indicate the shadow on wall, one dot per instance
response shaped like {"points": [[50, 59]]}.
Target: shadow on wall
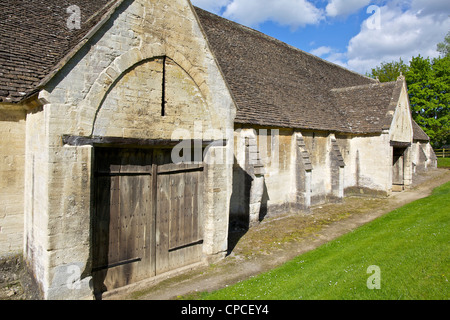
{"points": [[239, 220], [100, 233]]}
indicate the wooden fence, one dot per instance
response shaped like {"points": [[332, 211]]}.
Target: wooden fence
{"points": [[442, 153]]}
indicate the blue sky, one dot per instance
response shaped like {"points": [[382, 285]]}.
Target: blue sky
{"points": [[356, 34]]}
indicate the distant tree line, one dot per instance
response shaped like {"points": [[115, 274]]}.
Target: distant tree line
{"points": [[428, 83]]}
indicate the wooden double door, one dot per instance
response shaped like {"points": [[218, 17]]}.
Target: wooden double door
{"points": [[147, 216]]}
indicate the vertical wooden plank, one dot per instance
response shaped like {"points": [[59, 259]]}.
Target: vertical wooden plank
{"points": [[164, 207], [135, 207], [100, 221], [123, 218], [198, 212], [173, 220], [195, 214], [142, 194], [181, 240], [199, 199], [175, 204], [180, 177], [114, 221], [162, 225], [151, 234], [126, 236], [144, 247], [401, 169], [188, 208], [191, 215], [101, 225]]}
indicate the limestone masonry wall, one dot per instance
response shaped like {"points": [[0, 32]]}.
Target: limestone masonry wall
{"points": [[12, 161], [147, 73]]}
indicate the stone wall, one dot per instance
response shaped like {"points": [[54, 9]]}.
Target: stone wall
{"points": [[368, 164], [148, 57], [248, 199], [263, 159], [300, 169], [276, 154], [318, 145], [423, 156], [303, 172], [36, 193], [12, 160], [431, 155]]}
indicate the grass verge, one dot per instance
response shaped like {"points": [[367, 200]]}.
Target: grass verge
{"points": [[443, 162], [410, 246]]}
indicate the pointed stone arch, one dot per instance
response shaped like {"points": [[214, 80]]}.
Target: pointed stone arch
{"points": [[123, 63]]}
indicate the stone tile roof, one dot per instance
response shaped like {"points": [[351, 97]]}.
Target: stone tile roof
{"points": [[419, 134], [273, 83], [34, 38], [279, 85], [368, 108]]}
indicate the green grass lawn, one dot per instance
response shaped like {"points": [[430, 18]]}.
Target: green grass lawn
{"points": [[443, 162], [411, 246]]}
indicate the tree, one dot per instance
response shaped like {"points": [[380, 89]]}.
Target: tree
{"points": [[429, 93], [389, 71], [444, 47], [429, 90]]}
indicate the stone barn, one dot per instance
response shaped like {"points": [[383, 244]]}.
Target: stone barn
{"points": [[91, 121], [133, 132], [308, 131]]}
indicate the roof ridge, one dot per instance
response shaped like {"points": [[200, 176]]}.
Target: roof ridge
{"points": [[368, 85], [110, 2]]}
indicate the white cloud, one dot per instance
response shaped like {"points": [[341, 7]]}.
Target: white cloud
{"points": [[330, 54], [338, 58], [425, 7], [292, 13], [321, 51], [402, 34], [345, 7]]}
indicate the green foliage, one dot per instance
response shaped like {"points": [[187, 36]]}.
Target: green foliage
{"points": [[429, 93], [410, 246], [389, 71], [444, 47]]}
